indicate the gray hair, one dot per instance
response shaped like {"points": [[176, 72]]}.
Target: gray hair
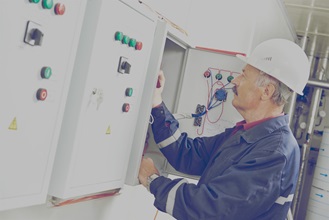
{"points": [[281, 93]]}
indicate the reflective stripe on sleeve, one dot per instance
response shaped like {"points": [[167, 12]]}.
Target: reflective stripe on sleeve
{"points": [[170, 139], [282, 200], [172, 196]]}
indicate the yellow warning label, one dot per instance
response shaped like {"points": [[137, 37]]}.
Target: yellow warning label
{"points": [[108, 131], [13, 125]]}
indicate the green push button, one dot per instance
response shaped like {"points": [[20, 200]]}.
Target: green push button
{"points": [[219, 76], [230, 78], [47, 4], [129, 92], [118, 36], [125, 39], [34, 1], [46, 72], [132, 42]]}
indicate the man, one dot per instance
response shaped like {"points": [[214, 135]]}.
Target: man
{"points": [[249, 171]]}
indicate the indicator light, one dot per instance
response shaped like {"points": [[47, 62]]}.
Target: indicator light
{"points": [[125, 107], [207, 74], [118, 36], [125, 39], [230, 78], [129, 92], [46, 72], [34, 1], [59, 9], [219, 76], [139, 45], [132, 42], [47, 4], [42, 94]]}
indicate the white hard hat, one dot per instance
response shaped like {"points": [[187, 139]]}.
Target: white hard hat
{"points": [[282, 59]]}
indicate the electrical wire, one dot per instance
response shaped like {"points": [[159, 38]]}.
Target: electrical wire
{"points": [[214, 99], [156, 214], [160, 16], [82, 199]]}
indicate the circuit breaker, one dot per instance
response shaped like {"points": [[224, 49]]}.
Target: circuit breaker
{"points": [[38, 43], [104, 99]]}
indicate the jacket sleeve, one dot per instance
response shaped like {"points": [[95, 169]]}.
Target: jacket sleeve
{"points": [[244, 191], [186, 155]]}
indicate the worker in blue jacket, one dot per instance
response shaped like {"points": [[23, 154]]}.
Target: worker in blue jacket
{"points": [[249, 171]]}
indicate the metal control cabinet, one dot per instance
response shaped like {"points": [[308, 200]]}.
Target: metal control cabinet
{"points": [[104, 101], [38, 42]]}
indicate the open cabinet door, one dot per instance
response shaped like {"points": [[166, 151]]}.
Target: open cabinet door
{"points": [[206, 92], [203, 91]]}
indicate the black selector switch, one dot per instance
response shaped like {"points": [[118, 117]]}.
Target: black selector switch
{"points": [[124, 66], [37, 36]]}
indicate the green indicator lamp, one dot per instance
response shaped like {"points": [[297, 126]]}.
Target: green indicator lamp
{"points": [[230, 78], [129, 92], [219, 76], [46, 72], [118, 36], [132, 42], [47, 4], [125, 39], [34, 1]]}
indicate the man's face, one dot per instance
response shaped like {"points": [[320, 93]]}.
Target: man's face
{"points": [[246, 92]]}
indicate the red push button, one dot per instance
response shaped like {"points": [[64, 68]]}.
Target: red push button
{"points": [[139, 45], [59, 9], [42, 94], [125, 107], [207, 74]]}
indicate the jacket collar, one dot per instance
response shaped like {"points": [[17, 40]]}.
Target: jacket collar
{"points": [[257, 132], [267, 127]]}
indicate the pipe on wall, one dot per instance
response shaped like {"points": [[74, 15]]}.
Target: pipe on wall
{"points": [[319, 85]]}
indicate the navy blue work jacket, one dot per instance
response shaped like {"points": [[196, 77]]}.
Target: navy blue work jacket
{"points": [[246, 176]]}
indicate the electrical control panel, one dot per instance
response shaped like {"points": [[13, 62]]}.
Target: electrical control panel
{"points": [[207, 90], [104, 99], [38, 43]]}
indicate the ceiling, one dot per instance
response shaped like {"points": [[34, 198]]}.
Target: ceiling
{"points": [[311, 18]]}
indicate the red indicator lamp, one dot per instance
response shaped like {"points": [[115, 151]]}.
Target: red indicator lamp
{"points": [[59, 9], [139, 45], [42, 94], [126, 107]]}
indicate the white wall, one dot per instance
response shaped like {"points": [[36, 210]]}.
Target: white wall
{"points": [[237, 25]]}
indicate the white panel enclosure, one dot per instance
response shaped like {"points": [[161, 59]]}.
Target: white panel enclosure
{"points": [[37, 50], [104, 99]]}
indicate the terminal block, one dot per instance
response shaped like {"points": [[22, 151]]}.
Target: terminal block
{"points": [[200, 109]]}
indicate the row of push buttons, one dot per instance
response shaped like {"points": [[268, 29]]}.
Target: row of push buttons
{"points": [[131, 42], [218, 76], [59, 8]]}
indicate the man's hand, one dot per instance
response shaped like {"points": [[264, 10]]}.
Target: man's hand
{"points": [[146, 169], [157, 96]]}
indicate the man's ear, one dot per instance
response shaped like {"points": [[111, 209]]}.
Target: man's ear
{"points": [[268, 91]]}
